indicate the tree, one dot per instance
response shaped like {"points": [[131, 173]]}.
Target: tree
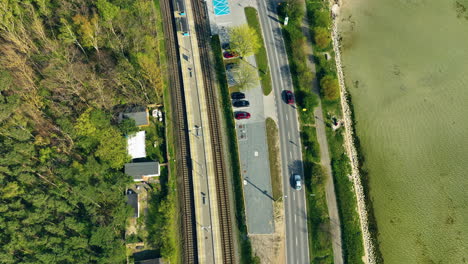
{"points": [[88, 30], [245, 75], [294, 10], [322, 37], [322, 18], [330, 87], [244, 40]]}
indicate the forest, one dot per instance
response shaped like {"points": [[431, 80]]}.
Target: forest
{"points": [[66, 68]]}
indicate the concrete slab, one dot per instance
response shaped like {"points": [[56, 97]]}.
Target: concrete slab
{"points": [[255, 173]]}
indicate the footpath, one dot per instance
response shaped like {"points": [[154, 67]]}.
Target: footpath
{"points": [[325, 162]]}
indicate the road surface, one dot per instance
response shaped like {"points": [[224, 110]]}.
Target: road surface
{"points": [[297, 250]]}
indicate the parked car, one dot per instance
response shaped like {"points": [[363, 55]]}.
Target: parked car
{"points": [[241, 115], [226, 46], [230, 54], [298, 182], [288, 97], [241, 103], [237, 95], [231, 66]]}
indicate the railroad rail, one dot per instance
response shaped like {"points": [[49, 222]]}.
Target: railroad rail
{"points": [[203, 35], [181, 136]]}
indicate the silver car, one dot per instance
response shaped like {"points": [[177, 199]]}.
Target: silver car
{"points": [[298, 181]]}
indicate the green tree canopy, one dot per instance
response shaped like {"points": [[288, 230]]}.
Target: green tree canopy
{"points": [[330, 87], [322, 37], [245, 75], [244, 40]]}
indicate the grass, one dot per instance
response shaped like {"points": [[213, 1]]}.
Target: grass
{"points": [[273, 154], [320, 245], [245, 247], [352, 243], [261, 56]]}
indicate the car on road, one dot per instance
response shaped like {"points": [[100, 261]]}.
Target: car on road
{"points": [[241, 103], [230, 54], [237, 95], [297, 182], [288, 97], [241, 115]]}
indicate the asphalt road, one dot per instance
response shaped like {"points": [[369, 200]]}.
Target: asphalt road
{"points": [[294, 201]]}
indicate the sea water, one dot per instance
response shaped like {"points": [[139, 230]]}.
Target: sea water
{"points": [[406, 67]]}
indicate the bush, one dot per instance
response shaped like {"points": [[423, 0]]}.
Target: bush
{"points": [[322, 18], [322, 37], [330, 87]]}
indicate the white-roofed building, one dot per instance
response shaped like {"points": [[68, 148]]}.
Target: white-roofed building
{"points": [[136, 145]]}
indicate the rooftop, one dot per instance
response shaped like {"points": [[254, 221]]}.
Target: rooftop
{"points": [[139, 114], [138, 170]]}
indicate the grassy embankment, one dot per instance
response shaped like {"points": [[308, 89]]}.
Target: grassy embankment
{"points": [[261, 56], [273, 154], [320, 246], [318, 15], [163, 218], [245, 246]]}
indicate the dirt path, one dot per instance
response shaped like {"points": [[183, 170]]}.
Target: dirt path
{"points": [[270, 248]]}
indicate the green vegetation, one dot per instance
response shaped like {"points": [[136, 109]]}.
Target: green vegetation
{"points": [[274, 158], [67, 69], [261, 55], [320, 246], [330, 87], [322, 37], [245, 75], [244, 40], [245, 246], [318, 14], [302, 77]]}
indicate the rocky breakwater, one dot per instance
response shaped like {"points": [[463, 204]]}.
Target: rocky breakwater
{"points": [[350, 146]]}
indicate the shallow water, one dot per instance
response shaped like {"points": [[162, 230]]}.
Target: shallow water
{"points": [[406, 67]]}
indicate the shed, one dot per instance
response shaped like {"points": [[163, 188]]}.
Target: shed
{"points": [[136, 145], [132, 200], [138, 170], [139, 114]]}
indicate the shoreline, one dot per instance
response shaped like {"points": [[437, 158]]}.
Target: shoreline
{"points": [[355, 176]]}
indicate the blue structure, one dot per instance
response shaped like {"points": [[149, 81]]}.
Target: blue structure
{"points": [[221, 7]]}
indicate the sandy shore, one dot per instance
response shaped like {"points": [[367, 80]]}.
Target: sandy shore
{"points": [[351, 150]]}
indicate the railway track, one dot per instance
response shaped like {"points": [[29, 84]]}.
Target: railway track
{"points": [[181, 137], [203, 35]]}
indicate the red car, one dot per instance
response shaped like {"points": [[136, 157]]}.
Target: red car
{"points": [[230, 54], [241, 115], [289, 97]]}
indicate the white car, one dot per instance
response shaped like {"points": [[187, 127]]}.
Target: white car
{"points": [[298, 181]]}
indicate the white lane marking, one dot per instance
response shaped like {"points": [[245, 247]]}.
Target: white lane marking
{"points": [[289, 136], [286, 117], [294, 198], [295, 218], [296, 241], [290, 154]]}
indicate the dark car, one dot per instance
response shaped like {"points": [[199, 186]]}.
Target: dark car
{"points": [[241, 103], [230, 54], [230, 66], [288, 97], [225, 46], [237, 95], [241, 115]]}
